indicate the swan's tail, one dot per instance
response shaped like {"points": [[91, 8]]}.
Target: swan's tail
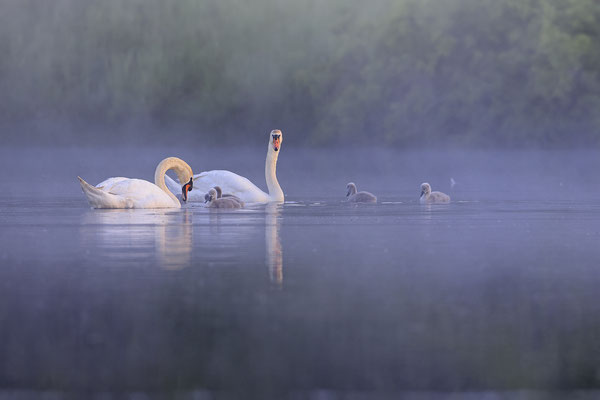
{"points": [[98, 198]]}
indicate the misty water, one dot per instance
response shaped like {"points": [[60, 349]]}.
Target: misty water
{"points": [[495, 294]]}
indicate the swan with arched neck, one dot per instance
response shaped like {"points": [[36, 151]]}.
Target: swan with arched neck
{"points": [[122, 192]]}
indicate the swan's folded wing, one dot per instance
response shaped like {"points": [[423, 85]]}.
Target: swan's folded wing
{"points": [[230, 183], [107, 184], [134, 188], [140, 193], [439, 197]]}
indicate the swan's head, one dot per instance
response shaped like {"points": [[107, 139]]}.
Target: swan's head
{"points": [[275, 139], [350, 189], [219, 191], [210, 196], [187, 188], [182, 170], [425, 189]]}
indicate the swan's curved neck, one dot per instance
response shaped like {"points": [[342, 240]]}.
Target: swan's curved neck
{"points": [[275, 191], [181, 168]]}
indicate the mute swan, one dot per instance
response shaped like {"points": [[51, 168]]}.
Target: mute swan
{"points": [[138, 193], [238, 185], [224, 202], [429, 197], [360, 197]]}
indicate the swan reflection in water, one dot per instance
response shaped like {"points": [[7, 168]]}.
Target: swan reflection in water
{"points": [[236, 231], [166, 237], [274, 252], [174, 242], [138, 236]]}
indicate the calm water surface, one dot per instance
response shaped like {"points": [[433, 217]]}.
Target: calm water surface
{"points": [[492, 296]]}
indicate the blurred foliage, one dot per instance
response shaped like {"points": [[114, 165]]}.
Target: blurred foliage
{"points": [[390, 72]]}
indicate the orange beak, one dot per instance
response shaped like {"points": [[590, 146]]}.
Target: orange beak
{"points": [[276, 144], [186, 188]]}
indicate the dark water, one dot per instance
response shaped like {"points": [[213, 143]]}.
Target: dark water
{"points": [[493, 296]]}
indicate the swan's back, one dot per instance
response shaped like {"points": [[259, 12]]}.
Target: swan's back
{"points": [[234, 198], [226, 195], [363, 197], [435, 198], [225, 202], [110, 182], [439, 197], [229, 182]]}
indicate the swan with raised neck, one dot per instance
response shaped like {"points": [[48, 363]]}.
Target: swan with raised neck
{"points": [[271, 166], [238, 185]]}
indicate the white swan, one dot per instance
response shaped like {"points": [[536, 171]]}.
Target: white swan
{"points": [[238, 185], [138, 193], [429, 197], [360, 197]]}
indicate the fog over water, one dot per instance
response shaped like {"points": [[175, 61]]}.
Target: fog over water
{"points": [[493, 294], [395, 72]]}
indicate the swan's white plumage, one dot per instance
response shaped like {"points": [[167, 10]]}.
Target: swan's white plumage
{"points": [[127, 193], [110, 182], [238, 185], [120, 192], [229, 182]]}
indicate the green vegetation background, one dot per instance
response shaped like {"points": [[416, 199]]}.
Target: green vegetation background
{"points": [[384, 72]]}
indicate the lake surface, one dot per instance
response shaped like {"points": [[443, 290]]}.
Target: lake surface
{"points": [[493, 296]]}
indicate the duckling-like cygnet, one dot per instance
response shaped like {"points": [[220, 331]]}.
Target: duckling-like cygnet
{"points": [[360, 197], [226, 196], [429, 197], [224, 202]]}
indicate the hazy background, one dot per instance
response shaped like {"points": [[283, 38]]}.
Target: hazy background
{"points": [[315, 298], [474, 73]]}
